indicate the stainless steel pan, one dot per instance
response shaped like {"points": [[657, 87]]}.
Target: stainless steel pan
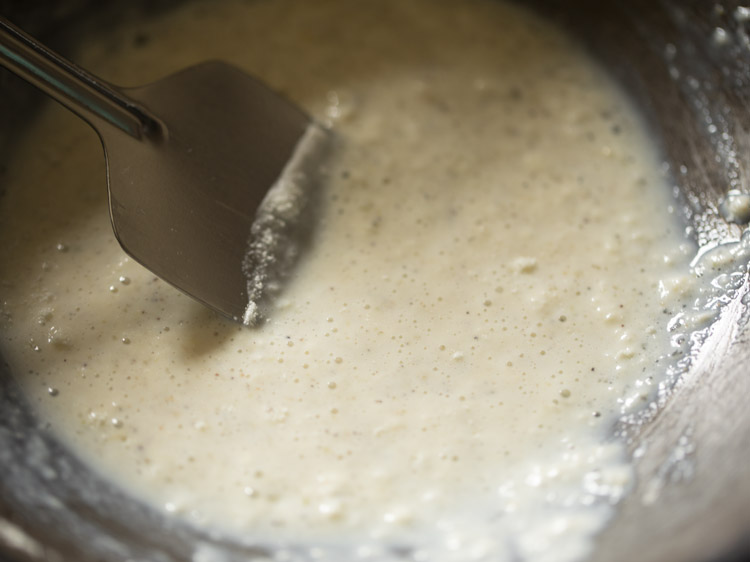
{"points": [[687, 63]]}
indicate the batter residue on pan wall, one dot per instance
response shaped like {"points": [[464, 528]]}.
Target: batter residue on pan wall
{"points": [[480, 300]]}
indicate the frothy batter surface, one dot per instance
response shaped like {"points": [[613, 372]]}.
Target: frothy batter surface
{"points": [[479, 301]]}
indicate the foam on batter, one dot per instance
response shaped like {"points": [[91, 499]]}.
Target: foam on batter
{"points": [[479, 294]]}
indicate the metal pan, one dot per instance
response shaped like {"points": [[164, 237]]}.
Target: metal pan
{"points": [[687, 63]]}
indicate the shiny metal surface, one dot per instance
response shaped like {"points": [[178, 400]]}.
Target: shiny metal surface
{"points": [[667, 54], [687, 64], [189, 160]]}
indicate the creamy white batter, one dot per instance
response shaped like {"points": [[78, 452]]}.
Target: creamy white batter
{"points": [[447, 361]]}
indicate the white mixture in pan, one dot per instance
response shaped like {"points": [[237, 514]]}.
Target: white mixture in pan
{"points": [[480, 299]]}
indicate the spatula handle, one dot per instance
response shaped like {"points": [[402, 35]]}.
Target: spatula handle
{"points": [[84, 94]]}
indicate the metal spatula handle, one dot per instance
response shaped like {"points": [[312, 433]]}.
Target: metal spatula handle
{"points": [[185, 187], [79, 91]]}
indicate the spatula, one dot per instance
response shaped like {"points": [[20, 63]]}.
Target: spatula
{"points": [[189, 160]]}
